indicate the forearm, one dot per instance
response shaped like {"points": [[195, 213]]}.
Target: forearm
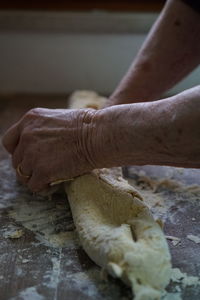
{"points": [[165, 132], [170, 52]]}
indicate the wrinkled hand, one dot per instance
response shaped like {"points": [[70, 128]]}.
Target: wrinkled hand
{"points": [[49, 145]]}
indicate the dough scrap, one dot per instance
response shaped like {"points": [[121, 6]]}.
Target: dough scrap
{"points": [[194, 238], [117, 230]]}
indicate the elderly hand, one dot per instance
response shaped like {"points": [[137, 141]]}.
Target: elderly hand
{"points": [[51, 145]]}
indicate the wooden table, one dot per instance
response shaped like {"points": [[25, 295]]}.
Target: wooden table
{"points": [[36, 266]]}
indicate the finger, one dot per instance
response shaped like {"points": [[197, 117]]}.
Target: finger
{"points": [[23, 172], [11, 138], [17, 156], [23, 147], [38, 182]]}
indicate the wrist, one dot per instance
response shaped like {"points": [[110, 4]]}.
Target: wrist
{"points": [[131, 134], [116, 136], [99, 138]]}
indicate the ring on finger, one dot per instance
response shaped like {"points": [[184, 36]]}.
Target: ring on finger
{"points": [[20, 172]]}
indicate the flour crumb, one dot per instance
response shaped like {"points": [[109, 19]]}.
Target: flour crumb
{"points": [[193, 238], [184, 279], [25, 261], [175, 243], [175, 240], [29, 293], [172, 296], [13, 233]]}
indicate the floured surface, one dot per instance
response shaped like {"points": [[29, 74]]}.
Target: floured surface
{"points": [[173, 195], [53, 266], [50, 220]]}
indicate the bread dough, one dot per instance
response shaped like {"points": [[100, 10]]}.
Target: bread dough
{"points": [[117, 230], [86, 99]]}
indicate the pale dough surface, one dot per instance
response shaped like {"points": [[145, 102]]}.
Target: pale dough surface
{"points": [[116, 228]]}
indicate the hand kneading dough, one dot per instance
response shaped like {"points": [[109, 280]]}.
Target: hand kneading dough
{"points": [[117, 230]]}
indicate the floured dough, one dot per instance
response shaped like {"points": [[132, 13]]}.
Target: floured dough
{"points": [[117, 230], [86, 99]]}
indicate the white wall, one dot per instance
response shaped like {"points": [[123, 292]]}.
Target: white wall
{"points": [[35, 58], [60, 63]]}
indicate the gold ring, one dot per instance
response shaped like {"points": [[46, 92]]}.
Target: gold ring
{"points": [[60, 181], [20, 173]]}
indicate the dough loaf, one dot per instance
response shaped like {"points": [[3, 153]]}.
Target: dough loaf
{"points": [[115, 227]]}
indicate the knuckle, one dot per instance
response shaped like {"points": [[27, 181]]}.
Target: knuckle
{"points": [[34, 111]]}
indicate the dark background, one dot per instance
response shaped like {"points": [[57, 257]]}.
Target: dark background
{"points": [[64, 5]]}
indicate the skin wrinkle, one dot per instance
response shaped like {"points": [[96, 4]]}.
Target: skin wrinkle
{"points": [[85, 140]]}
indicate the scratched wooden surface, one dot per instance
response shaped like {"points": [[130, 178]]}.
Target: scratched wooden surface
{"points": [[31, 268]]}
